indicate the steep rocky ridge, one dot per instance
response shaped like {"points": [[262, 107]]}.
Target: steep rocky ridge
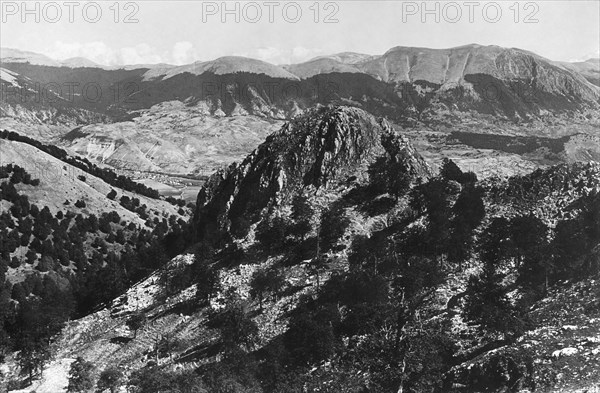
{"points": [[321, 149]]}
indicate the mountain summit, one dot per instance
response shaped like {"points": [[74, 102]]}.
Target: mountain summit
{"points": [[224, 65], [322, 149]]}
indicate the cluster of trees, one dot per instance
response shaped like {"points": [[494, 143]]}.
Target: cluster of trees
{"points": [[132, 204], [368, 321], [535, 186], [85, 165], [17, 175], [392, 274], [89, 260], [81, 377]]}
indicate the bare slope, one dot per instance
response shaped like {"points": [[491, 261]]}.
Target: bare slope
{"points": [[171, 137], [224, 65], [60, 182]]}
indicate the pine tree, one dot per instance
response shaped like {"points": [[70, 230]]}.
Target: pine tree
{"points": [[302, 214]]}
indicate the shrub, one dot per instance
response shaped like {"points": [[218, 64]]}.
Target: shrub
{"points": [[111, 378], [80, 376]]}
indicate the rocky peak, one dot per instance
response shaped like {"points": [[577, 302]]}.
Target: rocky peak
{"points": [[320, 149]]}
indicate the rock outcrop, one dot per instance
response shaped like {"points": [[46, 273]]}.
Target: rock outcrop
{"points": [[321, 149]]}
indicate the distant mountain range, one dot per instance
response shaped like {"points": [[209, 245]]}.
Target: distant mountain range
{"points": [[514, 82], [9, 55], [472, 88], [398, 63]]}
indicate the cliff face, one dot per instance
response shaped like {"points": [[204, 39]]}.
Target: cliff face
{"points": [[451, 66], [321, 149]]}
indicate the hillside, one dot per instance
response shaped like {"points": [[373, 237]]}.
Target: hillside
{"points": [[589, 69], [318, 66], [171, 137], [223, 65], [60, 182], [72, 237], [354, 267]]}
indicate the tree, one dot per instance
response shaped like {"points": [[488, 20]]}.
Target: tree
{"points": [[528, 234], [302, 214], [333, 224], [266, 280], [206, 276], [31, 256], [271, 234], [569, 245], [389, 175], [111, 379], [154, 379], [80, 376], [45, 264], [317, 265], [235, 325], [136, 322], [104, 224], [487, 304], [32, 357], [120, 238], [111, 195], [432, 197], [469, 211], [311, 336], [451, 171]]}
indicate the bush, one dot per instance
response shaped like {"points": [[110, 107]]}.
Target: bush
{"points": [[80, 376], [153, 379], [111, 378]]}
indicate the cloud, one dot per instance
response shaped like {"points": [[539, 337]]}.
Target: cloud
{"points": [[140, 54], [101, 53], [269, 54], [284, 56], [301, 53], [184, 53], [96, 51]]}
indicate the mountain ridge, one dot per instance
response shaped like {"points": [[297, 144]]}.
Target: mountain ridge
{"points": [[317, 150]]}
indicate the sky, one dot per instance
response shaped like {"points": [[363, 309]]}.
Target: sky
{"points": [[283, 32]]}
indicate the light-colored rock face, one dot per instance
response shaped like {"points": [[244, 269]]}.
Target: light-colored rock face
{"points": [[347, 57], [224, 65], [172, 137], [321, 66], [446, 66]]}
